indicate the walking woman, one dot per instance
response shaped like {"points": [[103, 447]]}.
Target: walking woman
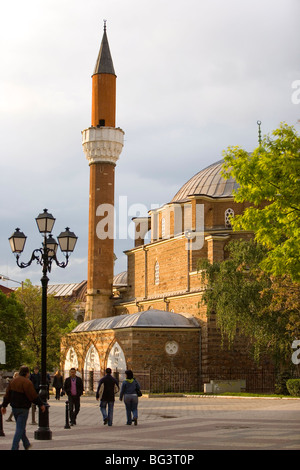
{"points": [[130, 390]]}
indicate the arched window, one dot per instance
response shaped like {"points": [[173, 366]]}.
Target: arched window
{"points": [[163, 227], [229, 213], [156, 273]]}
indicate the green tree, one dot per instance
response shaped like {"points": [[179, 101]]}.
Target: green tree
{"points": [[248, 301], [13, 329], [59, 322], [269, 179]]}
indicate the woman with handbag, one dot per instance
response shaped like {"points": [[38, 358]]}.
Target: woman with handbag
{"points": [[131, 390]]}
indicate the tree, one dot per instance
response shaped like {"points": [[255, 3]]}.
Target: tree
{"points": [[269, 179], [250, 302], [59, 322], [13, 328]]}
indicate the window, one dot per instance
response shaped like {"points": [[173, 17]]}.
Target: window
{"points": [[163, 227], [156, 273], [229, 213]]}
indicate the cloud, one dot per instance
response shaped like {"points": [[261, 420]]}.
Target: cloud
{"points": [[193, 78]]}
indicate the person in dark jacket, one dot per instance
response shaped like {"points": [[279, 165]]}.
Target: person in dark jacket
{"points": [[35, 378], [130, 390], [73, 387], [58, 384], [107, 388], [20, 393]]}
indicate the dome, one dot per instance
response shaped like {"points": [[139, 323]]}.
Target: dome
{"points": [[208, 182], [149, 318], [120, 280]]}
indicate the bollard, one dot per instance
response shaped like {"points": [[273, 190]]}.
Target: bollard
{"points": [[67, 425], [1, 423]]}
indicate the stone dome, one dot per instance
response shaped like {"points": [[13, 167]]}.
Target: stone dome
{"points": [[148, 319], [208, 182]]}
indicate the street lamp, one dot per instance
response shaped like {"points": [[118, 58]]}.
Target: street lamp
{"points": [[44, 256]]}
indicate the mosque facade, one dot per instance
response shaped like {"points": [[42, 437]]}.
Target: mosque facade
{"points": [[151, 317]]}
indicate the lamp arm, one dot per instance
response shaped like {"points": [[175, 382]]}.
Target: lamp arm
{"points": [[34, 257], [62, 264], [42, 257]]}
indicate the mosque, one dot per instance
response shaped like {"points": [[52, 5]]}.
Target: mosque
{"points": [[151, 317]]}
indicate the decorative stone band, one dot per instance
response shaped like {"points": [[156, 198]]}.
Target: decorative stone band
{"points": [[102, 144]]}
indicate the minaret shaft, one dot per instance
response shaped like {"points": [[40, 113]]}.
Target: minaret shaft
{"points": [[104, 100]]}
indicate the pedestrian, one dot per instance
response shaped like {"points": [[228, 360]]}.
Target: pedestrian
{"points": [[58, 384], [35, 378], [20, 393], [9, 419], [108, 386], [131, 390], [73, 387]]}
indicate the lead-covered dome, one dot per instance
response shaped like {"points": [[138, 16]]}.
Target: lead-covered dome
{"points": [[149, 319], [208, 182]]}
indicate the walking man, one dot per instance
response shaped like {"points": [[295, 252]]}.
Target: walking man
{"points": [[20, 393], [107, 388], [73, 387]]}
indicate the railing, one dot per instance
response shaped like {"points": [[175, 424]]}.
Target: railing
{"points": [[259, 380]]}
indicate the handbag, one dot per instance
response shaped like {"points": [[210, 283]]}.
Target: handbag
{"points": [[101, 391], [138, 390]]}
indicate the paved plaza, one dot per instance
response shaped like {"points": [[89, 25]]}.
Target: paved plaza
{"points": [[169, 423]]}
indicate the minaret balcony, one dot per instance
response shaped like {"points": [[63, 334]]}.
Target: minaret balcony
{"points": [[102, 144]]}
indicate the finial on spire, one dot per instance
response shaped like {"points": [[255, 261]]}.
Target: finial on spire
{"points": [[104, 21], [259, 132]]}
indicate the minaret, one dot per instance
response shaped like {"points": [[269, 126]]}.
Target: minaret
{"points": [[102, 144]]}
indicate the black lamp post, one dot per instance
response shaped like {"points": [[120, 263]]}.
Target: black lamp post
{"points": [[44, 256]]}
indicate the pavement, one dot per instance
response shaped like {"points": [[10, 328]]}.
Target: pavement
{"points": [[179, 425]]}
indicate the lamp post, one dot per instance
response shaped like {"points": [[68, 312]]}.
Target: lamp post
{"points": [[45, 257]]}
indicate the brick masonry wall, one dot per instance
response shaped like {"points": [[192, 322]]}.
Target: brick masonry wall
{"points": [[142, 347]]}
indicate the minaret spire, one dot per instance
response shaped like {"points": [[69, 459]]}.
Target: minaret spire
{"points": [[104, 62]]}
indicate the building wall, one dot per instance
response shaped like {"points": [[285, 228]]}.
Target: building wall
{"points": [[142, 347]]}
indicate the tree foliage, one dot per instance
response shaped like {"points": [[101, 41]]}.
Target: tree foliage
{"points": [[13, 328], [269, 179], [248, 301], [59, 322]]}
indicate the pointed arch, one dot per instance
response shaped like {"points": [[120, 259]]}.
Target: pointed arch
{"points": [[91, 369], [116, 360], [71, 361]]}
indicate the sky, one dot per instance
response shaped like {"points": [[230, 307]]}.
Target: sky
{"points": [[193, 78]]}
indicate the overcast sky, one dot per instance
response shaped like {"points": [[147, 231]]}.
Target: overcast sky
{"points": [[193, 78]]}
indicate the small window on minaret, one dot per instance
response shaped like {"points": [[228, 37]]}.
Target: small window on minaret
{"points": [[101, 123]]}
